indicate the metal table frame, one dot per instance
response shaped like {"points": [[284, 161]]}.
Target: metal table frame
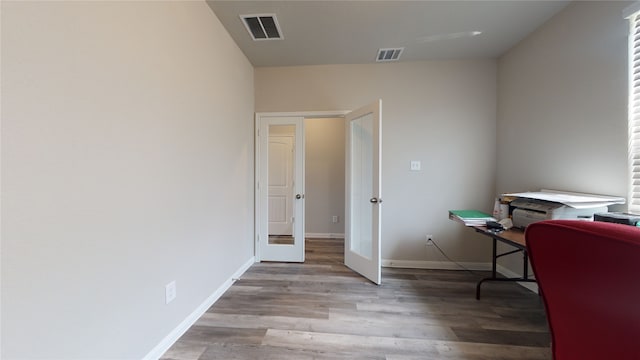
{"points": [[510, 237]]}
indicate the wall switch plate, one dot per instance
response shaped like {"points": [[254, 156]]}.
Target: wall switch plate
{"points": [[335, 218], [415, 165], [170, 292]]}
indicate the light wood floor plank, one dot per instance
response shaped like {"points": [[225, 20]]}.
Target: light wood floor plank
{"points": [[322, 310], [399, 346], [351, 326]]}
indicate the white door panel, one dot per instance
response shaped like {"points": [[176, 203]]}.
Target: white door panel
{"points": [[364, 198]]}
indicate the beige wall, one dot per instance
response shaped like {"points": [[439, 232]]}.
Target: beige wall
{"points": [[127, 154], [562, 95], [127, 162], [562, 104], [441, 113], [324, 176]]}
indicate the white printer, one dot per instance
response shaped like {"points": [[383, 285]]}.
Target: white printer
{"points": [[527, 211], [528, 207]]}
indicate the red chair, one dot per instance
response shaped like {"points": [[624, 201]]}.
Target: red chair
{"points": [[589, 277]]}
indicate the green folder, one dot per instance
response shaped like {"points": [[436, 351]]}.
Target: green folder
{"points": [[470, 214]]}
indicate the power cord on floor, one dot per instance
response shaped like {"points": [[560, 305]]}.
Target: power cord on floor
{"points": [[462, 267], [453, 261]]}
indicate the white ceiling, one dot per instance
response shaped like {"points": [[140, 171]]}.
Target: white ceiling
{"points": [[351, 32]]}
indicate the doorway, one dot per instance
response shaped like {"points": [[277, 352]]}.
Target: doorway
{"points": [[324, 180], [324, 177], [281, 196], [361, 183]]}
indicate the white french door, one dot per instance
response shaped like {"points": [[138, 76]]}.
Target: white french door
{"points": [[280, 189], [364, 197]]}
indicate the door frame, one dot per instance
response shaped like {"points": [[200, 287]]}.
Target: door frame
{"points": [[257, 191]]}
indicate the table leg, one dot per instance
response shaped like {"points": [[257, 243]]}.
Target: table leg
{"points": [[494, 273]]}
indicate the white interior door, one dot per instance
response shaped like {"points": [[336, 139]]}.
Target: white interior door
{"points": [[280, 189], [281, 184], [364, 197]]}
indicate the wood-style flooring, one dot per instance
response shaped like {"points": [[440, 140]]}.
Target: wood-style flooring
{"points": [[323, 310]]}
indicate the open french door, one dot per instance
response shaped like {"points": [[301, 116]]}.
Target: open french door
{"points": [[363, 191], [280, 189]]}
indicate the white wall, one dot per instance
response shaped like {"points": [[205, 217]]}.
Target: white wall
{"points": [[127, 162], [441, 113], [562, 104], [324, 176]]}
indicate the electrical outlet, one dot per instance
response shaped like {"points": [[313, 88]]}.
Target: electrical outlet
{"points": [[429, 239], [415, 165], [170, 292]]}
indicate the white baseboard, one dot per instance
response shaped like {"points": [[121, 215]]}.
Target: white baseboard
{"points": [[508, 273], [435, 265], [324, 235], [176, 333]]}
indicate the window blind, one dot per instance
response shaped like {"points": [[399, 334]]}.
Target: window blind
{"points": [[634, 112]]}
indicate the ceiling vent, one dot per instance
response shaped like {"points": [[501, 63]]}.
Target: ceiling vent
{"points": [[262, 26], [389, 54]]}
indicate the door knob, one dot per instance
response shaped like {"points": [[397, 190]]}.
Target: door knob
{"points": [[374, 200], [299, 196]]}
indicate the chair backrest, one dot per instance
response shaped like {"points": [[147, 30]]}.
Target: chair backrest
{"points": [[589, 277]]}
